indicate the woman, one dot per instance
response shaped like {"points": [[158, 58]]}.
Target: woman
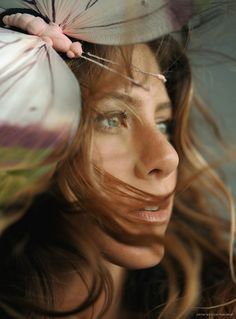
{"points": [[127, 226]]}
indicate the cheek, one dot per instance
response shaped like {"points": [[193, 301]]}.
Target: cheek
{"points": [[113, 155]]}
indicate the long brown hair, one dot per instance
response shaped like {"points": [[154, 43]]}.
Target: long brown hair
{"points": [[43, 246]]}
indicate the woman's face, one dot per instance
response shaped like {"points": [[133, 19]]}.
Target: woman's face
{"points": [[138, 152]]}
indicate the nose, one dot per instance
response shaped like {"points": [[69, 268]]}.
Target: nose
{"points": [[156, 157]]}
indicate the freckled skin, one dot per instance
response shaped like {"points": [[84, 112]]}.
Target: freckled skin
{"points": [[141, 156]]}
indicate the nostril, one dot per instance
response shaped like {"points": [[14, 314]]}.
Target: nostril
{"points": [[154, 172]]}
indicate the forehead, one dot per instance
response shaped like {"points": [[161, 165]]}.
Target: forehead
{"points": [[141, 62], [144, 59], [145, 63]]}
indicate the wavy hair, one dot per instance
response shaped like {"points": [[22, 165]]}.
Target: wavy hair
{"points": [[196, 275]]}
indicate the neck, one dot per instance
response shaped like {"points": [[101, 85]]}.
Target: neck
{"points": [[72, 291], [118, 275]]}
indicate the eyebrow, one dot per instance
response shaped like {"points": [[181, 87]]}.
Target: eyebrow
{"points": [[130, 100]]}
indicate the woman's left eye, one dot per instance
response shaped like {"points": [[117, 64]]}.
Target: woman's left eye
{"points": [[165, 127]]}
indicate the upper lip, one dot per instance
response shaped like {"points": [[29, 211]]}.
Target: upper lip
{"points": [[163, 204]]}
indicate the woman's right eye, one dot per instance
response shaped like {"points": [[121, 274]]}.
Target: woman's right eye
{"points": [[111, 121]]}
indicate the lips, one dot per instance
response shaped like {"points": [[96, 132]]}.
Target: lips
{"points": [[159, 214]]}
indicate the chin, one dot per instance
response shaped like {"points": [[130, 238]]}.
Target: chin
{"points": [[135, 257], [128, 256]]}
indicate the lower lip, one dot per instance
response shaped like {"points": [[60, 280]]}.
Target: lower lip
{"points": [[161, 216]]}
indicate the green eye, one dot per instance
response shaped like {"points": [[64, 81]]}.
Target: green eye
{"points": [[165, 127], [111, 121]]}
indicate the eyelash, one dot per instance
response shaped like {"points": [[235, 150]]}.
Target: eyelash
{"points": [[122, 118]]}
